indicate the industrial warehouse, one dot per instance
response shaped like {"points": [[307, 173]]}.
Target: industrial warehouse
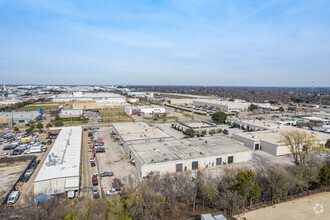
{"points": [[271, 142], [186, 154], [145, 110], [60, 171], [139, 132], [153, 150], [19, 117], [71, 113], [204, 127]]}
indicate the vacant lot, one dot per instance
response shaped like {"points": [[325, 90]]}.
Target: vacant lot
{"points": [[115, 115], [35, 107], [310, 207], [9, 173], [75, 122]]}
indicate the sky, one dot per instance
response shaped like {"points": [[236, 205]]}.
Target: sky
{"points": [[178, 42]]}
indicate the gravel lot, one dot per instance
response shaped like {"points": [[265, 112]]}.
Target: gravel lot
{"points": [[9, 173], [114, 160]]}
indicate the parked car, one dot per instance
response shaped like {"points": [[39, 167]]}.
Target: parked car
{"points": [[33, 166], [13, 197], [90, 134], [3, 153], [70, 194], [106, 173], [95, 180], [9, 147], [100, 150], [44, 149], [85, 129], [25, 178], [37, 161], [29, 172], [95, 192], [27, 152], [89, 141], [17, 152], [113, 191], [92, 164], [49, 142]]}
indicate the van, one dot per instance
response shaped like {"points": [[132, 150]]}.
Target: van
{"points": [[13, 197], [70, 194]]}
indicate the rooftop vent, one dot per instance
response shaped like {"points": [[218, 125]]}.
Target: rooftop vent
{"points": [[200, 153]]}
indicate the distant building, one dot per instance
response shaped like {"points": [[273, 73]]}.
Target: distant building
{"points": [[270, 140], [71, 113], [145, 110], [19, 117], [199, 127], [223, 106]]}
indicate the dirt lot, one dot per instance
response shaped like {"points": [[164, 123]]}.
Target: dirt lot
{"points": [[311, 207], [9, 173], [113, 160], [115, 115]]}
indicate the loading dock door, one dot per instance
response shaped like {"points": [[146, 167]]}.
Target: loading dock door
{"points": [[194, 165], [256, 147], [219, 161], [230, 159], [179, 167]]}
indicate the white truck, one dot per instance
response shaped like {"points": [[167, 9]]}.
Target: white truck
{"points": [[13, 197], [35, 149]]}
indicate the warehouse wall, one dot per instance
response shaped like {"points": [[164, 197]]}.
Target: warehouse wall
{"points": [[203, 162], [42, 187]]}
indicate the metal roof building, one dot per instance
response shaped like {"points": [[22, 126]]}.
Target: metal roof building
{"points": [[67, 113], [60, 171], [186, 154], [18, 117]]}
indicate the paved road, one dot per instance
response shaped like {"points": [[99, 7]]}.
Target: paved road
{"points": [[86, 170]]}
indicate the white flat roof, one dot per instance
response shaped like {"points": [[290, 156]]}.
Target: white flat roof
{"points": [[66, 151]]}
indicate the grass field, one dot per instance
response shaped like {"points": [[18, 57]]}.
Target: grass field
{"points": [[35, 107], [115, 115], [74, 122]]}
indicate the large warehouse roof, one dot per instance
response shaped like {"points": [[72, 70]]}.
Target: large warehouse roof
{"points": [[65, 156], [29, 114], [186, 149], [131, 131]]}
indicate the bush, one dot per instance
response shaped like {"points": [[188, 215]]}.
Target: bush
{"points": [[59, 123], [219, 117]]}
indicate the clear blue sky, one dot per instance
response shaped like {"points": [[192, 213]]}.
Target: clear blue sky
{"points": [[191, 42]]}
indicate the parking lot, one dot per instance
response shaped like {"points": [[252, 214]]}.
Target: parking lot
{"points": [[113, 160]]}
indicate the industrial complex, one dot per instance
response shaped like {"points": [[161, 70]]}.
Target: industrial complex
{"points": [[150, 149], [19, 117], [61, 170]]}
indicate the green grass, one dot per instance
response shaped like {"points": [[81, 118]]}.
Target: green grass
{"points": [[74, 122], [187, 115], [36, 107], [115, 115]]}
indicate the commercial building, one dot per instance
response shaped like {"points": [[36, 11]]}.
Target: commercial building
{"points": [[19, 117], [71, 113], [271, 141], [224, 106], [186, 96], [138, 132], [170, 156], [198, 126], [258, 125], [89, 96], [180, 101], [145, 110], [60, 171]]}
